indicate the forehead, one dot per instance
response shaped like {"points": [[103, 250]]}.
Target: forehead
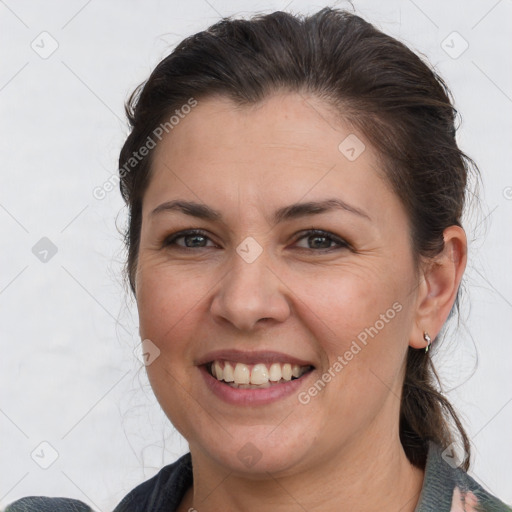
{"points": [[288, 147], [282, 121]]}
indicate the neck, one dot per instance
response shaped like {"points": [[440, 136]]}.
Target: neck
{"points": [[357, 480]]}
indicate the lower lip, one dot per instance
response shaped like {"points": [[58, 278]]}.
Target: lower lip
{"points": [[262, 396]]}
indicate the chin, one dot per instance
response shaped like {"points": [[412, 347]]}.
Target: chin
{"points": [[254, 452]]}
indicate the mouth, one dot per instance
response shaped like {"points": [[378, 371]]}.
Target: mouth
{"points": [[261, 375]]}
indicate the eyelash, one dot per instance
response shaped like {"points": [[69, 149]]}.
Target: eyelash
{"points": [[342, 244]]}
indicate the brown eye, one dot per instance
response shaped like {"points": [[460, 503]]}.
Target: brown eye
{"points": [[319, 241]]}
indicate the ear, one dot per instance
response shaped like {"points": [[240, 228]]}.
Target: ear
{"points": [[438, 286]]}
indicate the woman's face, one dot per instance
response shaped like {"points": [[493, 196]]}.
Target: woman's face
{"points": [[253, 287]]}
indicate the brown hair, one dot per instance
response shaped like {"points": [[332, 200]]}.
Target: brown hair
{"points": [[375, 83]]}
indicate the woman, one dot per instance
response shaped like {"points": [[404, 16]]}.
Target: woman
{"points": [[295, 248]]}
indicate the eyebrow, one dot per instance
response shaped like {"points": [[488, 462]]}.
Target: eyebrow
{"points": [[293, 211]]}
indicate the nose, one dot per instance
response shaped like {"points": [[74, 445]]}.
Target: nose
{"points": [[251, 294]]}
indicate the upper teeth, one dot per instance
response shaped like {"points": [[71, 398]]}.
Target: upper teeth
{"points": [[260, 373]]}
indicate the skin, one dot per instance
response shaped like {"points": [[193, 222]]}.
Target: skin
{"points": [[342, 447]]}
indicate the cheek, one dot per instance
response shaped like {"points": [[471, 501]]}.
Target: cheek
{"points": [[361, 323], [362, 352], [349, 304], [363, 318], [167, 301]]}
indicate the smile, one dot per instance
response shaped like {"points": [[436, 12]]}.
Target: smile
{"points": [[255, 376]]}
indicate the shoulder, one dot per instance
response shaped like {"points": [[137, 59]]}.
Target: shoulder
{"points": [[163, 492], [44, 504], [447, 487]]}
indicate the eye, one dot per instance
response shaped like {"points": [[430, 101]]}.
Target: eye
{"points": [[321, 241], [317, 240], [193, 238]]}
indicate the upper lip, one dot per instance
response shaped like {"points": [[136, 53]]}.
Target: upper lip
{"points": [[260, 356]]}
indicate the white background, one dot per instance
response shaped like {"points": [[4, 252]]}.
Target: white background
{"points": [[68, 327]]}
